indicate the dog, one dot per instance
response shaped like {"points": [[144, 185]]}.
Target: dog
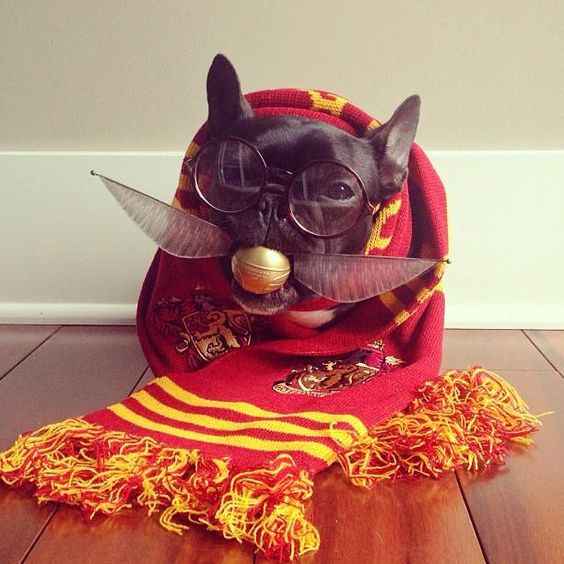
{"points": [[289, 143]]}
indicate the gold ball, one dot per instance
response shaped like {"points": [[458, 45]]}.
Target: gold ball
{"points": [[260, 270]]}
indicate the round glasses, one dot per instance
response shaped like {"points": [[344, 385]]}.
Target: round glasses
{"points": [[325, 198]]}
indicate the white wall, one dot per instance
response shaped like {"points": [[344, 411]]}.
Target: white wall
{"points": [[83, 81], [109, 75]]}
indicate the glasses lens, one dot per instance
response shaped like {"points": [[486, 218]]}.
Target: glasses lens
{"points": [[229, 175], [326, 199]]}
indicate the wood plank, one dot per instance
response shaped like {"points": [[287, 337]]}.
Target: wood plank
{"points": [[404, 521], [145, 379], [495, 350], [397, 522], [130, 537], [551, 344], [518, 509], [21, 521], [77, 370], [17, 341]]}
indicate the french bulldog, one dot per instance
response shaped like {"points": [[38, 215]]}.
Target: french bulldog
{"points": [[380, 159]]}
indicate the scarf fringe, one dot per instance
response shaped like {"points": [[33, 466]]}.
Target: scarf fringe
{"points": [[464, 420], [78, 463]]}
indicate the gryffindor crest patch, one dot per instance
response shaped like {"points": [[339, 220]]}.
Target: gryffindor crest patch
{"points": [[204, 328], [331, 376]]}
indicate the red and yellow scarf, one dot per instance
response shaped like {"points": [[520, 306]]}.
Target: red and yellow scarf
{"points": [[245, 410]]}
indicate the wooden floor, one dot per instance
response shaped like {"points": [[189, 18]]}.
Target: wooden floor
{"points": [[510, 514]]}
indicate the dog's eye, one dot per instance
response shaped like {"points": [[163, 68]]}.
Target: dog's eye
{"points": [[339, 191], [232, 175]]}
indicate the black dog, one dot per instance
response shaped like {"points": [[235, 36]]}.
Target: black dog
{"points": [[288, 143]]}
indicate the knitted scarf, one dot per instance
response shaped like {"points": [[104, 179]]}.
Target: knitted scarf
{"points": [[245, 410]]}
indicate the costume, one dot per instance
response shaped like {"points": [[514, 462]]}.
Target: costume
{"points": [[245, 410]]}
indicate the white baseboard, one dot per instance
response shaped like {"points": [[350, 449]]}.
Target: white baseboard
{"points": [[68, 314], [510, 317], [457, 317], [68, 254]]}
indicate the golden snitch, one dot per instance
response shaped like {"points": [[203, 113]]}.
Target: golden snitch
{"points": [[260, 270]]}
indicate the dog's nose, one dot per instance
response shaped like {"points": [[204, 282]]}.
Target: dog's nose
{"points": [[272, 205]]}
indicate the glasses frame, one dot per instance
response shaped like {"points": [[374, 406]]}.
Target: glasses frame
{"points": [[280, 177]]}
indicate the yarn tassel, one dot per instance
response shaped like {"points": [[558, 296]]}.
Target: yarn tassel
{"points": [[101, 471], [462, 420]]}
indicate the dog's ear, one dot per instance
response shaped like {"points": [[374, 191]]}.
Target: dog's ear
{"points": [[225, 102], [392, 143]]}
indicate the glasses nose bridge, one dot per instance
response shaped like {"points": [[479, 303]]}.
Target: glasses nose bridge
{"points": [[279, 176]]}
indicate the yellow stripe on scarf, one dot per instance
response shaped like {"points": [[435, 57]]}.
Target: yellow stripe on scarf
{"points": [[251, 410], [316, 450], [388, 211], [222, 424], [330, 103], [395, 305]]}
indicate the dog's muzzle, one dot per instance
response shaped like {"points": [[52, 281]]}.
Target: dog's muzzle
{"points": [[260, 270]]}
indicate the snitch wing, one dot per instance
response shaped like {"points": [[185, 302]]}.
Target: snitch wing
{"points": [[175, 231], [353, 278]]}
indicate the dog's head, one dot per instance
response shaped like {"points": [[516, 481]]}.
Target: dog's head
{"points": [[289, 143]]}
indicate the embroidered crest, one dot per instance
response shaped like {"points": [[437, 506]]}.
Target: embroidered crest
{"points": [[334, 375], [204, 328]]}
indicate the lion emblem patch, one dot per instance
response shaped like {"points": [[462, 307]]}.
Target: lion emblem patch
{"points": [[334, 375], [204, 329]]}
